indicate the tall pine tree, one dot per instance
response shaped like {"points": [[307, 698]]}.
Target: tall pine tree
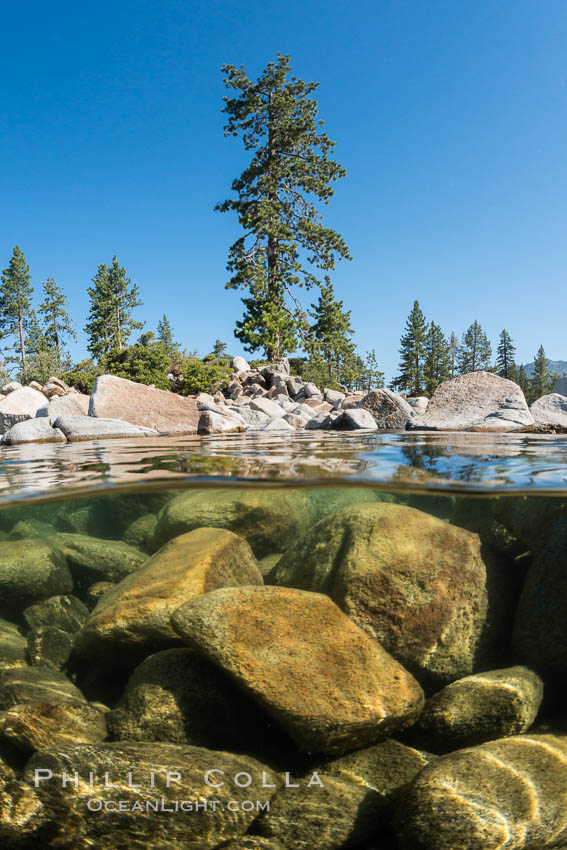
{"points": [[284, 243], [165, 335], [412, 354], [437, 359], [454, 348], [16, 293], [542, 382], [524, 381], [505, 362], [331, 331], [58, 323], [113, 299], [476, 352]]}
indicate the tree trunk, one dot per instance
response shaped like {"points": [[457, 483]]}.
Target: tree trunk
{"points": [[118, 330], [22, 344]]}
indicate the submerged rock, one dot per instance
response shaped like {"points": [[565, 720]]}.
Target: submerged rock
{"points": [[140, 531], [93, 559], [133, 617], [13, 646], [411, 581], [340, 813], [268, 519], [50, 647], [63, 612], [37, 725], [478, 401], [507, 793], [36, 685], [149, 817], [179, 696], [330, 686], [30, 570], [480, 708]]}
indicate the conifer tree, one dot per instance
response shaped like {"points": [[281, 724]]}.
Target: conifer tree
{"points": [[219, 348], [16, 293], [523, 381], [505, 363], [331, 331], [454, 348], [475, 352], [165, 335], [374, 378], [438, 363], [284, 243], [412, 354], [113, 299], [58, 323], [43, 359], [541, 382]]}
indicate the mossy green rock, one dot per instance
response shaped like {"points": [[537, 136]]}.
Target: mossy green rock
{"points": [[181, 697], [480, 708], [93, 559], [254, 842], [508, 794], [77, 828], [30, 570], [63, 612], [413, 582], [325, 681], [13, 646], [31, 529], [330, 499], [268, 519], [132, 619], [139, 532]]}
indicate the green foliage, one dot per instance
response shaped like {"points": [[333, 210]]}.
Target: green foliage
{"points": [[331, 333], [146, 362], [524, 381], [476, 352], [313, 369], [16, 293], [542, 382], [372, 378], [505, 362], [219, 348], [83, 375], [453, 351], [165, 335], [284, 242], [438, 362], [57, 321], [205, 377], [113, 299], [411, 379]]}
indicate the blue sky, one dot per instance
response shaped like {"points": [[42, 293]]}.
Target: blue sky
{"points": [[450, 119]]}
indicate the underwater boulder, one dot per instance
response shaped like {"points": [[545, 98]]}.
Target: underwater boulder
{"points": [[254, 842], [411, 581], [179, 696], [268, 519], [131, 620], [480, 708], [140, 531], [30, 570], [338, 813], [13, 646], [36, 684], [36, 725], [165, 774], [93, 559], [506, 793], [330, 686]]}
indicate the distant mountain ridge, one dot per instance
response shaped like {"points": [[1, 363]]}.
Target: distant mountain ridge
{"points": [[557, 367]]}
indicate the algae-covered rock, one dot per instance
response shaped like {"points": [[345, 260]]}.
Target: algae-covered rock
{"points": [[149, 816], [386, 767], [508, 794], [92, 559], [36, 684], [50, 647], [342, 813], [23, 821], [30, 529], [30, 570], [268, 519], [13, 646], [63, 612], [34, 726], [179, 696], [254, 842], [330, 686], [140, 531], [411, 581], [330, 499], [477, 515], [132, 619], [480, 708]]}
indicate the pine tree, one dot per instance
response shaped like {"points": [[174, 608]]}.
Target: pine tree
{"points": [[541, 383], [476, 352], [454, 348], [16, 293], [331, 331], [523, 381], [505, 363], [219, 348], [113, 299], [412, 354], [58, 323], [438, 362], [43, 359], [290, 174], [373, 377], [165, 335]]}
